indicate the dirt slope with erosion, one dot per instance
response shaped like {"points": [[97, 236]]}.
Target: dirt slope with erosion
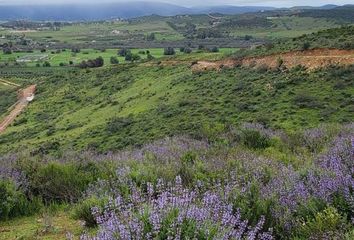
{"points": [[310, 59]]}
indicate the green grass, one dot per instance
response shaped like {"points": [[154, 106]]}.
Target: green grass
{"points": [[87, 32], [65, 56], [8, 96], [34, 227], [286, 27], [334, 38], [142, 103]]}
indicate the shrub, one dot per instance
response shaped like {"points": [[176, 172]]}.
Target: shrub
{"points": [[55, 182], [305, 46], [214, 49], [114, 60], [7, 50], [124, 52], [305, 100], [116, 124], [83, 210], [169, 51], [326, 224], [254, 139], [135, 57], [14, 203], [151, 37], [92, 63], [75, 50], [187, 50], [150, 57], [46, 64]]}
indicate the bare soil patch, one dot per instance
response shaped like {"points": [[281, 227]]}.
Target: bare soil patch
{"points": [[310, 59]]}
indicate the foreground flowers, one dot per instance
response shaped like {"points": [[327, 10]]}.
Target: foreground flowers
{"points": [[174, 212]]}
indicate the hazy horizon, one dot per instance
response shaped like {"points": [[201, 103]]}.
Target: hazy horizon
{"points": [[187, 3]]}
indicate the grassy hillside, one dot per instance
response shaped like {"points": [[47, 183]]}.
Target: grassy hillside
{"points": [[338, 38], [174, 31], [8, 97], [112, 108]]}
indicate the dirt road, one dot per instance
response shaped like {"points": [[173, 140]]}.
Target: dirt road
{"points": [[24, 97]]}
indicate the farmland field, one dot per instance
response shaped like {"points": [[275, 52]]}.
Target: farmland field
{"points": [[65, 56]]}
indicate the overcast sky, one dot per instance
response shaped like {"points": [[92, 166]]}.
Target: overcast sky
{"points": [[275, 3]]}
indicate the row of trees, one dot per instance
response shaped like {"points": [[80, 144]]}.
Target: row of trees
{"points": [[92, 63]]}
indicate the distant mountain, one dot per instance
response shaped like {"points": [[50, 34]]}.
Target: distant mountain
{"points": [[324, 7], [72, 12], [342, 14], [76, 12], [231, 9], [81, 12]]}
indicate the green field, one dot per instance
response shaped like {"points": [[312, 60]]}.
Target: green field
{"points": [[85, 54], [286, 27]]}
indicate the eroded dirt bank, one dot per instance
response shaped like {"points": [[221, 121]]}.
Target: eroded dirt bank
{"points": [[310, 59]]}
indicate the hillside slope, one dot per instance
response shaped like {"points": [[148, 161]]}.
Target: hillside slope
{"points": [[108, 109]]}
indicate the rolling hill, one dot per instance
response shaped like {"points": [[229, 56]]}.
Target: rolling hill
{"points": [[76, 12]]}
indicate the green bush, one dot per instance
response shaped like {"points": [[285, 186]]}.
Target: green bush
{"points": [[14, 203], [328, 223], [83, 210], [56, 182], [254, 139]]}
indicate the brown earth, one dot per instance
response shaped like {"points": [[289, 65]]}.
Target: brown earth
{"points": [[311, 59], [24, 97]]}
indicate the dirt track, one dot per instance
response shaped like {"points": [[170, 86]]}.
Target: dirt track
{"points": [[311, 59], [24, 97]]}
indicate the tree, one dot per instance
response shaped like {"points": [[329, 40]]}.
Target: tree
{"points": [[114, 60], [136, 57], [305, 46], [46, 64], [214, 49], [7, 50], [129, 56], [169, 51], [99, 62], [187, 50], [151, 37], [248, 37], [92, 63], [150, 57], [124, 52], [201, 47], [75, 50]]}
